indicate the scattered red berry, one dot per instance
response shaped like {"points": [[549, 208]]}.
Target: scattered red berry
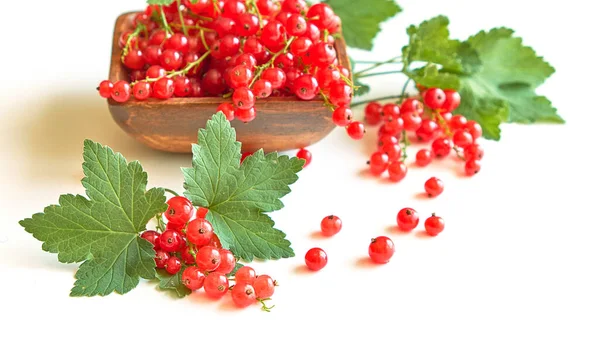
{"points": [[315, 259], [331, 225], [434, 187], [407, 219], [306, 155], [381, 249], [424, 157], [434, 225], [397, 171]]}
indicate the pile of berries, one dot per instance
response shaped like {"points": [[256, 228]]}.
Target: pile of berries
{"points": [[239, 50], [426, 118], [188, 242]]}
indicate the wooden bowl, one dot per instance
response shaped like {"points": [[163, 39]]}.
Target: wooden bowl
{"points": [[282, 123]]}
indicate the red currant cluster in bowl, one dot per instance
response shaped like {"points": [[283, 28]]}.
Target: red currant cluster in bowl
{"points": [[242, 50], [189, 243], [425, 118]]}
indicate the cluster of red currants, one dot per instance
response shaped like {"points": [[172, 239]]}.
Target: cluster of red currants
{"points": [[428, 118], [246, 50], [188, 242]]}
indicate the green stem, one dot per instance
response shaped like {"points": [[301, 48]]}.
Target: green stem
{"points": [[134, 34], [257, 12], [264, 305], [379, 73], [377, 65], [183, 27], [373, 62], [442, 122], [203, 39], [160, 225], [405, 144], [163, 18], [171, 191], [327, 103], [269, 64], [374, 100]]}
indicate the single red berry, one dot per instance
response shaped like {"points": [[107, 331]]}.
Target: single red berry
{"points": [[228, 110], [276, 76], [240, 76], [428, 130], [434, 225], [152, 237], [373, 113], [393, 125], [243, 98], [378, 163], [264, 286], [216, 285], [412, 121], [164, 88], [411, 105], [306, 155], [245, 275], [171, 59], [322, 54], [121, 91], [474, 129], [208, 258], [180, 210], [391, 110], [434, 98], [462, 138], [192, 278], [306, 87], [381, 249], [105, 89], [424, 157], [452, 101], [173, 265], [170, 241], [441, 147], [262, 88], [178, 42], [394, 151], [245, 115], [407, 219], [340, 94], [300, 46], [152, 54], [321, 15], [473, 151], [182, 86], [156, 72], [134, 59], [457, 122], [243, 295], [227, 261], [188, 255], [247, 60], [472, 167], [199, 232], [201, 212], [397, 171], [315, 259], [356, 130], [342, 116], [142, 90], [161, 258], [434, 187], [247, 24], [386, 139], [331, 225], [296, 25]]}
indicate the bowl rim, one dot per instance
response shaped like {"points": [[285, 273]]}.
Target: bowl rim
{"points": [[118, 71]]}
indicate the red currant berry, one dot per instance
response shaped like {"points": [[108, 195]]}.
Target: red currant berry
{"points": [[245, 275], [178, 42], [296, 25], [473, 151], [228, 110], [381, 249], [208, 258], [407, 219], [171, 59], [386, 139], [243, 98], [141, 90], [321, 15], [393, 125], [428, 130], [457, 122], [201, 212], [434, 98], [306, 155], [161, 258], [178, 227], [170, 241], [245, 155], [342, 116], [394, 151], [411, 105], [227, 261], [156, 72], [240, 76], [474, 129], [452, 100], [225, 47], [173, 265], [434, 187], [434, 225], [105, 89], [216, 285], [266, 7], [245, 115], [391, 110], [247, 24], [441, 147], [300, 46], [331, 225], [247, 60], [262, 88], [424, 157], [397, 171], [378, 163], [322, 54], [134, 59], [412, 121], [180, 210], [264, 286], [306, 87], [243, 295], [152, 237], [213, 82], [188, 254], [315, 259], [152, 54], [472, 167], [199, 232], [121, 91], [340, 94], [356, 130], [192, 278], [462, 138], [164, 88], [276, 76], [182, 86], [273, 35], [294, 6], [373, 113]]}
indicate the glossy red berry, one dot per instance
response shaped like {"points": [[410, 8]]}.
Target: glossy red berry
{"points": [[434, 225], [386, 139], [156, 72], [180, 210], [472, 167], [245, 115], [342, 116], [474, 129], [262, 88], [208, 258], [391, 110], [321, 15], [296, 25], [381, 249], [428, 130], [473, 151], [441, 147], [121, 91], [331, 225], [240, 76], [276, 76], [424, 157], [356, 130], [170, 241], [243, 98], [188, 254], [457, 122], [411, 105], [306, 155], [243, 295], [394, 151], [193, 278], [322, 54], [164, 88], [152, 237], [407, 219], [315, 259], [300, 46], [462, 138], [105, 89], [216, 285], [161, 258], [264, 286], [142, 90], [397, 171], [246, 275], [173, 265], [134, 59], [227, 261], [434, 187], [306, 87], [393, 125], [201, 212], [199, 232], [247, 24], [182, 86], [228, 110], [412, 121], [452, 101], [373, 113], [378, 163], [340, 94], [171, 59], [434, 98]]}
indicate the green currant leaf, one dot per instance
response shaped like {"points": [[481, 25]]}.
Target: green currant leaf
{"points": [[430, 76], [102, 230], [172, 283], [360, 88], [239, 196], [160, 2], [361, 19]]}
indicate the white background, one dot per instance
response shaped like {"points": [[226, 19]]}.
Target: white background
{"points": [[519, 256]]}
